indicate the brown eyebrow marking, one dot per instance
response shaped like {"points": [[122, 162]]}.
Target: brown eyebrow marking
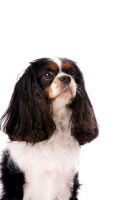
{"points": [[52, 66], [66, 65]]}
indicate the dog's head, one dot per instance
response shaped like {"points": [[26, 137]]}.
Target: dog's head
{"points": [[45, 84]]}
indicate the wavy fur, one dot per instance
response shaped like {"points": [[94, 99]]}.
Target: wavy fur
{"points": [[49, 116], [28, 117]]}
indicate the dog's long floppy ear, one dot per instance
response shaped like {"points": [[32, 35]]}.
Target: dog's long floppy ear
{"points": [[28, 116], [84, 123]]}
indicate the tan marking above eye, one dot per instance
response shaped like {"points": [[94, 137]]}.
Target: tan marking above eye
{"points": [[66, 65], [52, 66]]}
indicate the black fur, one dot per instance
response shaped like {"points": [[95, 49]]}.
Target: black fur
{"points": [[84, 124], [29, 115], [29, 118], [12, 179], [76, 186]]}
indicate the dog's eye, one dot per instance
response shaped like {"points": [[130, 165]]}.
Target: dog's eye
{"points": [[48, 75], [72, 72]]}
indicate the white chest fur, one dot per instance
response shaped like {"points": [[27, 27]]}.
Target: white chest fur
{"points": [[49, 166]]}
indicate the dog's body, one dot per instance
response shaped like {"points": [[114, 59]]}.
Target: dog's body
{"points": [[48, 118]]}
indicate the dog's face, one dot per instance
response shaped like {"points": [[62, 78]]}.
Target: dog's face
{"points": [[49, 83], [58, 80]]}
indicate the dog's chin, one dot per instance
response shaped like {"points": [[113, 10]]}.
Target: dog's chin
{"points": [[65, 96]]}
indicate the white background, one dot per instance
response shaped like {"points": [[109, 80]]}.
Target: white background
{"points": [[98, 35]]}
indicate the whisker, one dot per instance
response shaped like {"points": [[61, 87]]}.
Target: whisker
{"points": [[80, 91]]}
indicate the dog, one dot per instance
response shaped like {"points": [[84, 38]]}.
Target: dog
{"points": [[48, 119]]}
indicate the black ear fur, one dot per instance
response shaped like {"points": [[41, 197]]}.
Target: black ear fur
{"points": [[28, 116], [84, 123]]}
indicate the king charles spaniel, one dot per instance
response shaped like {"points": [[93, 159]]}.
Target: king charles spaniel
{"points": [[49, 117]]}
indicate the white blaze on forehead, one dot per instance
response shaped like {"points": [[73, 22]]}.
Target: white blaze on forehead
{"points": [[57, 61]]}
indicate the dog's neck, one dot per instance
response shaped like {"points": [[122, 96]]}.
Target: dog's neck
{"points": [[61, 112], [61, 116]]}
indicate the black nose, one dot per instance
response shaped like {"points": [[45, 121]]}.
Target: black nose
{"points": [[65, 79]]}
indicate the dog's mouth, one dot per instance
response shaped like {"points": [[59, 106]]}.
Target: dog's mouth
{"points": [[65, 93]]}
